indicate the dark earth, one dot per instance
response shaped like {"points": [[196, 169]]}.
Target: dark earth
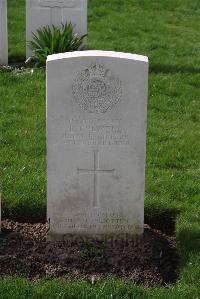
{"points": [[151, 259]]}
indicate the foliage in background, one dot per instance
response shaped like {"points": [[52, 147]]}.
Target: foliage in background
{"points": [[56, 39]]}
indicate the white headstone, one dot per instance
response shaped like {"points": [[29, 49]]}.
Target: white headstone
{"points": [[40, 13], [96, 111], [3, 33]]}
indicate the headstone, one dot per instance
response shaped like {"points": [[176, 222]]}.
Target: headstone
{"points": [[3, 33], [96, 111], [40, 13]]}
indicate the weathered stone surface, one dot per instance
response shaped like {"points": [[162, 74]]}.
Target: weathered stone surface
{"points": [[96, 111], [3, 33], [40, 13]]}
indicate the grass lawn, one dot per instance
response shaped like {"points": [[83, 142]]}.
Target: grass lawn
{"points": [[167, 31]]}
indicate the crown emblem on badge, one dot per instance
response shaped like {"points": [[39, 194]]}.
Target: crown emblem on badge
{"points": [[96, 89], [96, 70]]}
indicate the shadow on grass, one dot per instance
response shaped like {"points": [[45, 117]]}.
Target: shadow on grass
{"points": [[189, 243], [161, 218], [173, 69], [25, 213], [15, 59]]}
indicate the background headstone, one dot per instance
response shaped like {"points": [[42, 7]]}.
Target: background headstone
{"points": [[40, 13], [3, 33], [96, 111]]}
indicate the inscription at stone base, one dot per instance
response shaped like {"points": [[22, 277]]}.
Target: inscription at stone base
{"points": [[100, 221]]}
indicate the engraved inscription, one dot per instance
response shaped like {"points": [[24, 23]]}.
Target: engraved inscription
{"points": [[58, 3], [98, 220], [95, 172], [96, 89], [102, 132]]}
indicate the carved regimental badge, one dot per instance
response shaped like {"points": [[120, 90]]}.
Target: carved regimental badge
{"points": [[96, 89]]}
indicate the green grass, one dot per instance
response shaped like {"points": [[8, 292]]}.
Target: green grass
{"points": [[107, 289], [23, 145], [16, 30], [167, 31]]}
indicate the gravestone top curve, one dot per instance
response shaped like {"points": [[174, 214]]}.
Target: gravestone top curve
{"points": [[98, 53]]}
